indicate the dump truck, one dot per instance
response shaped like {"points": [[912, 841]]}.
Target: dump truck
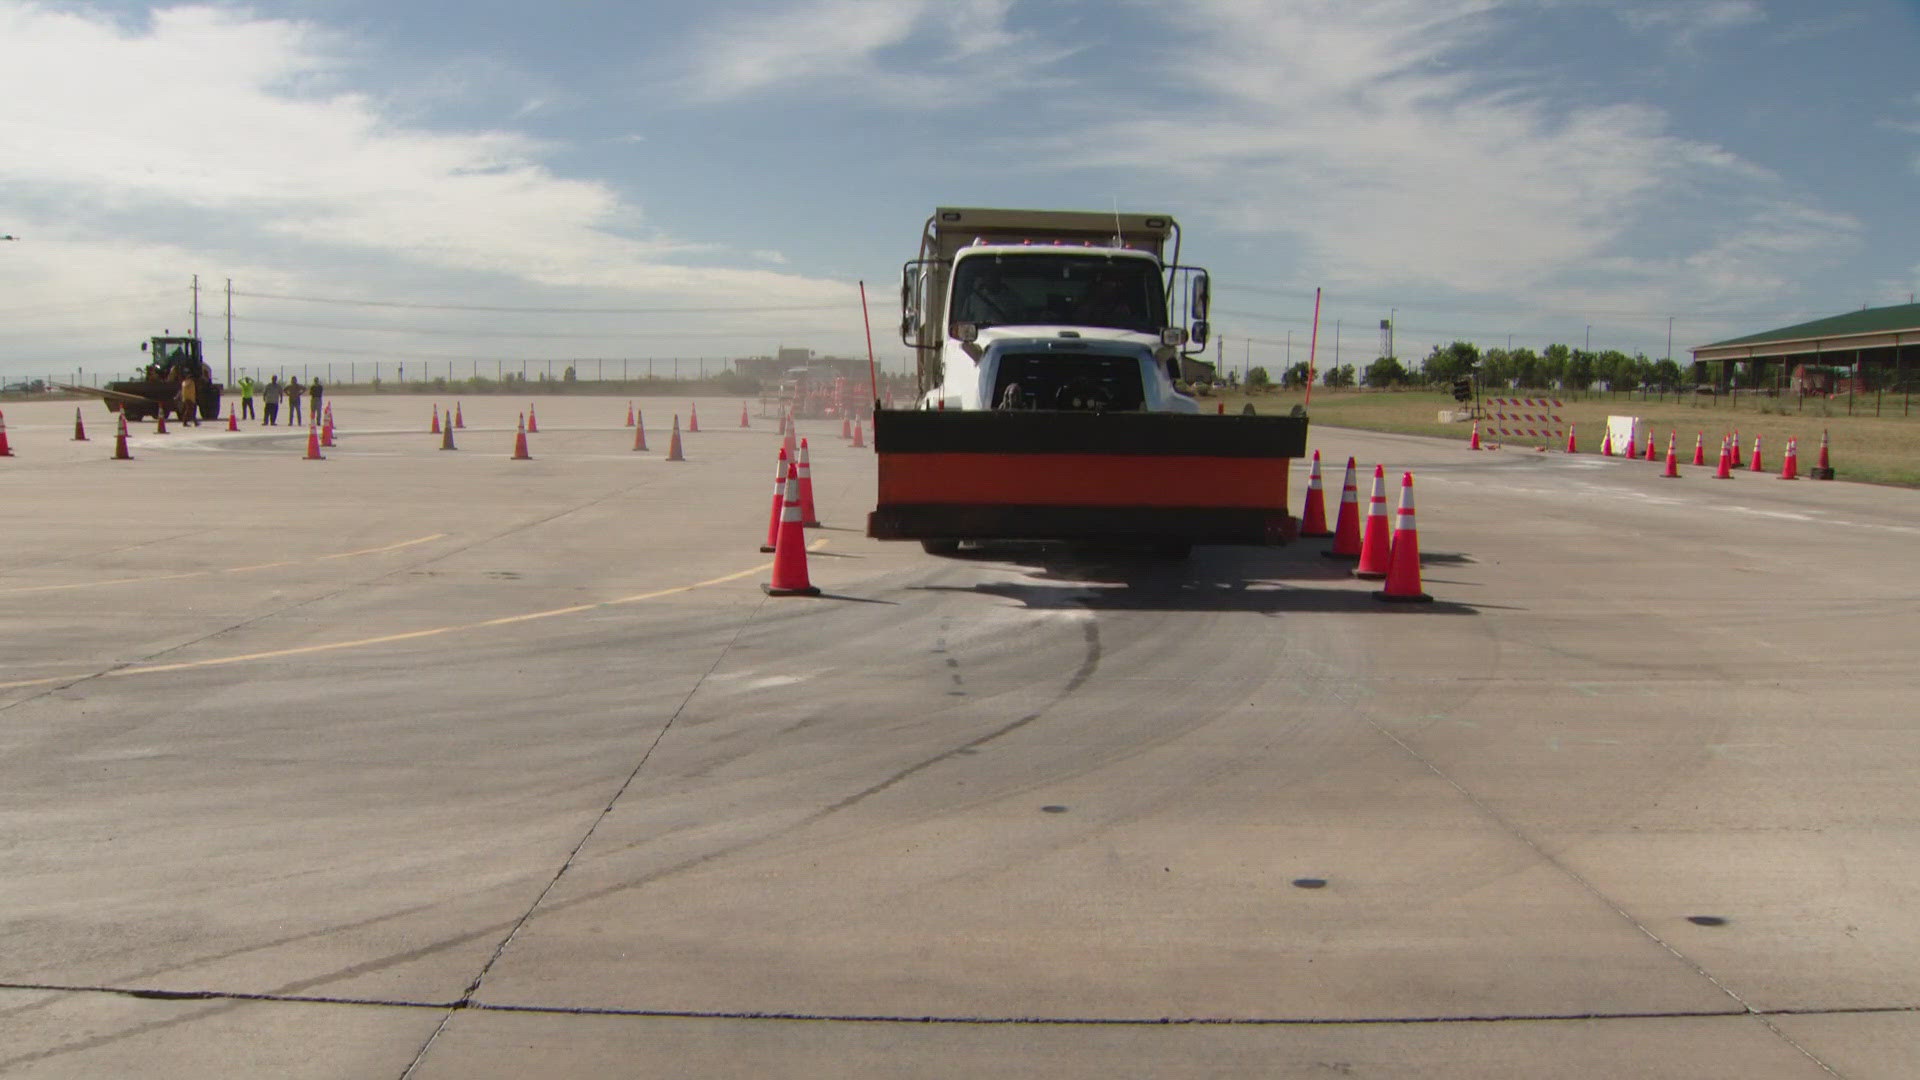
{"points": [[1050, 347], [171, 359]]}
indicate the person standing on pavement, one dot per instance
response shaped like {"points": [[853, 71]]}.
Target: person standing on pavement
{"points": [[246, 397], [313, 400], [270, 394], [189, 400], [294, 391]]}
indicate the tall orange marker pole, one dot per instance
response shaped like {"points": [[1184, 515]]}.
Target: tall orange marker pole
{"points": [[1313, 343], [872, 372]]}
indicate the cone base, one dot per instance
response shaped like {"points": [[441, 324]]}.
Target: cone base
{"points": [[1371, 575], [805, 590], [1341, 555], [1409, 598], [810, 524], [1316, 535], [1818, 473], [766, 549]]}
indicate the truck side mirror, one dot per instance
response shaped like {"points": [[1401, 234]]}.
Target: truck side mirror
{"points": [[909, 302], [1198, 335], [1200, 294]]}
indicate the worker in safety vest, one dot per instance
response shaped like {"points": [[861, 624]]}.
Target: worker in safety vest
{"points": [[246, 397]]}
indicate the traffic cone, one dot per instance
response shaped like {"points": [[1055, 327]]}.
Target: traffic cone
{"points": [[1474, 442], [1313, 516], [807, 516], [1673, 459], [533, 422], [1756, 466], [1699, 448], [846, 426], [459, 417], [120, 442], [630, 414], [1790, 464], [1652, 454], [743, 415], [326, 429], [1725, 471], [790, 549], [639, 432], [1403, 569], [160, 422], [858, 442], [1823, 470], [328, 414], [520, 444], [5, 449], [1633, 433], [313, 444], [446, 437], [1377, 546], [673, 444], [1735, 462], [693, 417], [436, 419], [779, 497], [79, 429], [233, 419], [1346, 526], [1606, 444], [1572, 446]]}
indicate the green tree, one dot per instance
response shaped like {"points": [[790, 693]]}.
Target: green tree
{"points": [[1665, 373], [1529, 368], [1295, 375], [1386, 371], [1457, 360], [1576, 366], [1257, 378], [1339, 376]]}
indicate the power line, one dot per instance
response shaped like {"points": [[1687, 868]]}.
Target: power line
{"points": [[419, 306]]}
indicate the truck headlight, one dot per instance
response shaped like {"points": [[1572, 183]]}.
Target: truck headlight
{"points": [[1173, 336]]}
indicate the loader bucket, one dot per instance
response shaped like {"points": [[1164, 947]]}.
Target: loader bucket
{"points": [[1083, 476]]}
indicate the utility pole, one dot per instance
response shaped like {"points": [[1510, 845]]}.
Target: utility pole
{"points": [[196, 307]]}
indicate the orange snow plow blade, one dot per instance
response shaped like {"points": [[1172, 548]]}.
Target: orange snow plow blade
{"points": [[1033, 475]]}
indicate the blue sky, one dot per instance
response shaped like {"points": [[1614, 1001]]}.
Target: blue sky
{"points": [[632, 180]]}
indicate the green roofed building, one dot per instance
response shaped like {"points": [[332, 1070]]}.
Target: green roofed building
{"points": [[1869, 349]]}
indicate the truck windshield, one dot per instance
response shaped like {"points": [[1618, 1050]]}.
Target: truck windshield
{"points": [[1052, 288]]}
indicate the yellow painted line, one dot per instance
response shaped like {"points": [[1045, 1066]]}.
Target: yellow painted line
{"points": [[209, 573], [412, 635]]}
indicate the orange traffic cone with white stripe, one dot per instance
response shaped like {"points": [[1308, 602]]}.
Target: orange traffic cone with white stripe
{"points": [[1699, 448], [1756, 466], [790, 548], [233, 419], [326, 427], [1346, 525], [1633, 436], [1725, 471], [160, 421], [1606, 444], [629, 414], [120, 442], [1734, 462], [446, 436], [1572, 446], [779, 500], [1474, 442], [1824, 469], [520, 444], [1673, 458], [1313, 516], [79, 429], [1377, 544], [436, 419], [673, 444], [533, 422], [807, 517], [6, 450], [1403, 570], [743, 415], [846, 426], [859, 443], [313, 444], [1790, 462], [693, 417], [639, 431], [459, 418], [1652, 454]]}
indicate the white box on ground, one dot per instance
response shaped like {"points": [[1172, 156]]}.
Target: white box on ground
{"points": [[1622, 430]]}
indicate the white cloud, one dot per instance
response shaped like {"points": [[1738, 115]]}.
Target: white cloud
{"points": [[1685, 21], [901, 53], [1400, 155]]}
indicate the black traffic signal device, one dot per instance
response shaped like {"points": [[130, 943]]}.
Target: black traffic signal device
{"points": [[1462, 389]]}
